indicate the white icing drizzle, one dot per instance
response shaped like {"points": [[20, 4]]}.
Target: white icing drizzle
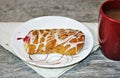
{"points": [[73, 45], [44, 43], [58, 40], [44, 48], [32, 38], [39, 37], [66, 41]]}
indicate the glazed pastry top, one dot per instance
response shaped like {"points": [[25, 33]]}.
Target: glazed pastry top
{"points": [[46, 41]]}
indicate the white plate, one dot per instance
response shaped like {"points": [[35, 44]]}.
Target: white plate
{"points": [[51, 60]]}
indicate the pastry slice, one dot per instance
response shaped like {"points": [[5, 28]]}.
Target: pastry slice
{"points": [[46, 41]]}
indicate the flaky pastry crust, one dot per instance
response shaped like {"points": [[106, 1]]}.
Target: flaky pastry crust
{"points": [[46, 41]]}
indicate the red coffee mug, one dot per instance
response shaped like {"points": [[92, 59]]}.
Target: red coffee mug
{"points": [[109, 31]]}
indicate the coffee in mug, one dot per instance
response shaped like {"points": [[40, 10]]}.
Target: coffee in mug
{"points": [[113, 14]]}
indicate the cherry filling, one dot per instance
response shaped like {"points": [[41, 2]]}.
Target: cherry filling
{"points": [[25, 39], [76, 34]]}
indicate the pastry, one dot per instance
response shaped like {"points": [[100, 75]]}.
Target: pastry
{"points": [[47, 41]]}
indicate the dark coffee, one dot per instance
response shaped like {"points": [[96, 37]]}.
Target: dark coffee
{"points": [[113, 13]]}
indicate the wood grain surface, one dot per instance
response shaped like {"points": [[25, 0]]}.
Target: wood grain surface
{"points": [[23, 10]]}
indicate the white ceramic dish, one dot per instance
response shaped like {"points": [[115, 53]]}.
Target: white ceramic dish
{"points": [[51, 60]]}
